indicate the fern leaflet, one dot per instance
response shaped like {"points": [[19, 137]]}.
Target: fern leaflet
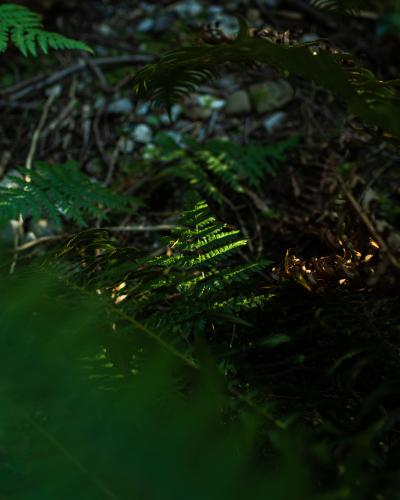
{"points": [[25, 29], [57, 191]]}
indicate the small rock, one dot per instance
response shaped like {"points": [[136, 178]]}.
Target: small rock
{"points": [[309, 37], [189, 8], [273, 121], [214, 10], [238, 103], [142, 133], [29, 236], [145, 25], [176, 110], [229, 25], [211, 102], [43, 227], [100, 102], [228, 83], [143, 109], [198, 113], [105, 30], [270, 95], [163, 22], [7, 180], [121, 106], [54, 90], [128, 145]]}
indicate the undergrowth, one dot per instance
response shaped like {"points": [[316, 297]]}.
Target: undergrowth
{"points": [[187, 368]]}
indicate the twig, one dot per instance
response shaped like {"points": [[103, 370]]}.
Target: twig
{"points": [[36, 134], [39, 241], [19, 230], [141, 228], [369, 225], [14, 93]]}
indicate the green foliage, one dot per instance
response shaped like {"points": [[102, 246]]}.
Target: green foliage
{"points": [[373, 100], [57, 191], [162, 432], [161, 291], [25, 29], [218, 165], [349, 7]]}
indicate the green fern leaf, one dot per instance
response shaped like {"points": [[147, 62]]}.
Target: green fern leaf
{"points": [[57, 191], [25, 29], [340, 7], [373, 100]]}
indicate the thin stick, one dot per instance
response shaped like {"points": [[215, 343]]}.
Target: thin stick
{"points": [[369, 225], [39, 128]]}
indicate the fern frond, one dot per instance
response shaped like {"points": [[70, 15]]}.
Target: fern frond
{"points": [[198, 266], [330, 70], [57, 191], [206, 167], [25, 29], [340, 7]]}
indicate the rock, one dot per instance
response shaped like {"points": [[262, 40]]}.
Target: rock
{"points": [[229, 25], [128, 145], [145, 25], [121, 106], [228, 83], [163, 22], [143, 109], [273, 121], [142, 133], [238, 103], [198, 113], [8, 182], [29, 236], [189, 8], [43, 227], [105, 30], [309, 37], [176, 111], [54, 90], [211, 102], [270, 95]]}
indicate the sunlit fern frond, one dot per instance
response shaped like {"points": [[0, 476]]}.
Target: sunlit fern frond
{"points": [[25, 29], [200, 265], [216, 165], [57, 191]]}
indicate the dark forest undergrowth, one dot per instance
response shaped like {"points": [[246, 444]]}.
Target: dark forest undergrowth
{"points": [[200, 247]]}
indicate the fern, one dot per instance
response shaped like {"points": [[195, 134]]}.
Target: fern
{"points": [[341, 7], [205, 166], [57, 191], [25, 29], [160, 291], [373, 100]]}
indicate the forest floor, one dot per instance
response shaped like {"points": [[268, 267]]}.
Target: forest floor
{"points": [[334, 244]]}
